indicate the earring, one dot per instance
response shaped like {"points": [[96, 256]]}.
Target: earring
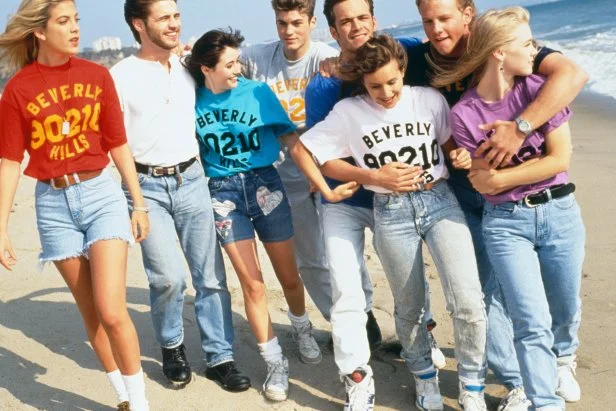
{"points": [[501, 68]]}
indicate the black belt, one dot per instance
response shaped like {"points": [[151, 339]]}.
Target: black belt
{"points": [[160, 171], [542, 197]]}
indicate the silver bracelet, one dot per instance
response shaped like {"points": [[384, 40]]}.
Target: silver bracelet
{"points": [[143, 209]]}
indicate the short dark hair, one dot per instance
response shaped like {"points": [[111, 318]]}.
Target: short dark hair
{"points": [[328, 10], [208, 49], [137, 9], [374, 54], [303, 6]]}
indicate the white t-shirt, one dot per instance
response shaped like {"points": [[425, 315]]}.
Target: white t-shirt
{"points": [[412, 132], [159, 110]]}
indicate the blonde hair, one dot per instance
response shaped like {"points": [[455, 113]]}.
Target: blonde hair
{"points": [[489, 32], [18, 45]]}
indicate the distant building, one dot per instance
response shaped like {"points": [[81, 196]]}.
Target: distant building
{"points": [[106, 43]]}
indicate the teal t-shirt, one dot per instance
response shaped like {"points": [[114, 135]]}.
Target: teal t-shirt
{"points": [[238, 129]]}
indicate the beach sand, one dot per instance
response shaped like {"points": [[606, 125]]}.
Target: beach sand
{"points": [[46, 362]]}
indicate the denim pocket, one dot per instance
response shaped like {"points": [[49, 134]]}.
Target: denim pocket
{"points": [[41, 190], [564, 203], [269, 176], [503, 210], [215, 183], [97, 182], [193, 172]]}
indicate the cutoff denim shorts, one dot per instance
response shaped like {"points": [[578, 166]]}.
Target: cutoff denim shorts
{"points": [[71, 219], [251, 201]]}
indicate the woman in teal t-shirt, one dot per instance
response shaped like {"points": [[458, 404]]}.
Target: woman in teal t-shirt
{"points": [[239, 123]]}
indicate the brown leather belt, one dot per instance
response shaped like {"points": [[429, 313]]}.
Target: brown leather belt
{"points": [[68, 180], [428, 186], [161, 171]]}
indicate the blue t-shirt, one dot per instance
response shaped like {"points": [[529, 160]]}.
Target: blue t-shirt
{"points": [[322, 94], [238, 129]]}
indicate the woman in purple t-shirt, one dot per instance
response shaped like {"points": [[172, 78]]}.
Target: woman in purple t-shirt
{"points": [[532, 225]]}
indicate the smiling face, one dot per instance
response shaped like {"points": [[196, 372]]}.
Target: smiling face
{"points": [[61, 35], [294, 29], [385, 84], [446, 26], [224, 75], [354, 24], [161, 29], [519, 55]]}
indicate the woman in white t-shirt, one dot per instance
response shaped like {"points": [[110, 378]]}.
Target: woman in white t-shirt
{"points": [[391, 123]]}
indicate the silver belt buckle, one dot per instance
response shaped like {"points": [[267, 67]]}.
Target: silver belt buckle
{"points": [[157, 171], [528, 204]]}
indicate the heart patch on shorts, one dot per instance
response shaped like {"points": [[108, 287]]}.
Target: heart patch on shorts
{"points": [[224, 208], [267, 200]]}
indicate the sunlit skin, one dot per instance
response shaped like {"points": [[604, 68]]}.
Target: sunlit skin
{"points": [[519, 55], [385, 84], [160, 31], [224, 75], [294, 30], [354, 26], [60, 38], [446, 26]]}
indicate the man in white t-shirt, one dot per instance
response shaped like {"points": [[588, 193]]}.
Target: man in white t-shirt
{"points": [[287, 66], [158, 98]]}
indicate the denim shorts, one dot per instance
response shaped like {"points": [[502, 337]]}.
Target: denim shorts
{"points": [[71, 219], [251, 201]]}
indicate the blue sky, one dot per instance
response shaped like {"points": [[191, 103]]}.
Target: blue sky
{"points": [[254, 18]]}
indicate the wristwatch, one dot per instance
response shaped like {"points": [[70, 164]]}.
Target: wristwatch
{"points": [[524, 126]]}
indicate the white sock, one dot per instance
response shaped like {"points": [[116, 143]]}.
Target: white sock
{"points": [[298, 322], [115, 378], [135, 385], [271, 350]]}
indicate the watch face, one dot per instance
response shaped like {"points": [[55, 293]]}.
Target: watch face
{"points": [[524, 126]]}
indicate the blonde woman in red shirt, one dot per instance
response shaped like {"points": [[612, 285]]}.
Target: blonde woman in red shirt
{"points": [[65, 113]]}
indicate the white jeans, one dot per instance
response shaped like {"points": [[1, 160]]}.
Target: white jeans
{"points": [[344, 226]]}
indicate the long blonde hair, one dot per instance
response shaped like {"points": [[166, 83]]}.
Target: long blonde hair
{"points": [[489, 32], [18, 45]]}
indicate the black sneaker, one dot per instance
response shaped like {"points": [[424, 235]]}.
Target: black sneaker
{"points": [[374, 332], [228, 377], [175, 365]]}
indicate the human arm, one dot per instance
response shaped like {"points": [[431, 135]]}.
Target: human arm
{"points": [[565, 79], [556, 160], [305, 162], [396, 176], [125, 164], [9, 178], [459, 157]]}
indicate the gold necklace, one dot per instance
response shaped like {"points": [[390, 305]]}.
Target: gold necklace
{"points": [[66, 125]]}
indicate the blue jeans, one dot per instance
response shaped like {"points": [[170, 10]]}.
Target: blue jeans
{"points": [[402, 221], [344, 229], [502, 359], [184, 211], [537, 254]]}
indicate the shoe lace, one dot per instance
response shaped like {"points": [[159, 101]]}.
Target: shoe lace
{"points": [[277, 373], [177, 355], [473, 401], [516, 396], [358, 394], [428, 386], [304, 337]]}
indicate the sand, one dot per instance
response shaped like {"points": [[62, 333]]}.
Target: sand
{"points": [[47, 363]]}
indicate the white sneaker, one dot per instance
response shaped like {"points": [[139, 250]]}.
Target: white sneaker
{"points": [[428, 394], [276, 385], [438, 358], [309, 351], [568, 388], [359, 386], [515, 400], [471, 400]]}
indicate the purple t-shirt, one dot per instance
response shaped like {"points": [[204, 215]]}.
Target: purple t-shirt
{"points": [[471, 111]]}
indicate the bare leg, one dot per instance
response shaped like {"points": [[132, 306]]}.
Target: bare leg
{"points": [[76, 274], [108, 267], [282, 256], [243, 255]]}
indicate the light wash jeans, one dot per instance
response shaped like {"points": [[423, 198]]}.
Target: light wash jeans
{"points": [[502, 359], [344, 228], [184, 211], [537, 254], [402, 221]]}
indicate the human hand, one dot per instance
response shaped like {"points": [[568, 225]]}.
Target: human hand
{"points": [[329, 67], [485, 181], [461, 159], [140, 224], [502, 145], [7, 254], [341, 192], [399, 177]]}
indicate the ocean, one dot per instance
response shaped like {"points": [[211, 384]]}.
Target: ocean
{"points": [[583, 30]]}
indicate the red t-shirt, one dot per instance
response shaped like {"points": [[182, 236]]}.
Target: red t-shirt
{"points": [[34, 105]]}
